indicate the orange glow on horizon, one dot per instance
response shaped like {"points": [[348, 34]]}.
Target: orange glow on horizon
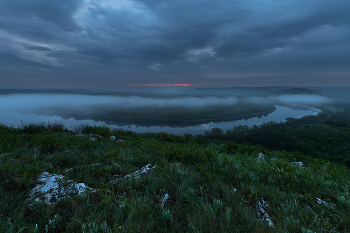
{"points": [[154, 85], [184, 85]]}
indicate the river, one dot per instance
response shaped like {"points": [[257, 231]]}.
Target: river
{"points": [[15, 119]]}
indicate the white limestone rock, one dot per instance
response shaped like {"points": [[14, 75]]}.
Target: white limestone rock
{"points": [[137, 174], [300, 164], [325, 204], [143, 171], [164, 200], [260, 209], [261, 156], [50, 190]]}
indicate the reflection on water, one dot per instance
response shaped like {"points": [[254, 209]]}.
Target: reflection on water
{"points": [[281, 113]]}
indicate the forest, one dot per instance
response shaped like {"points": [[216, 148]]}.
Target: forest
{"points": [[325, 136], [172, 115]]}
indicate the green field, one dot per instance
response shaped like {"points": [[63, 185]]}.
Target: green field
{"points": [[213, 183]]}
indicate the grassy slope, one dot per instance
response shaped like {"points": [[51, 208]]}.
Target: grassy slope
{"points": [[199, 178]]}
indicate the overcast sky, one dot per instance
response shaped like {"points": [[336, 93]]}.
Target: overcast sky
{"points": [[206, 43]]}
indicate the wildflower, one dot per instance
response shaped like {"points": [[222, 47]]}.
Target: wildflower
{"points": [[120, 227]]}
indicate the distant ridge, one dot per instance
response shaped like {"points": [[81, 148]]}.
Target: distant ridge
{"points": [[299, 90]]}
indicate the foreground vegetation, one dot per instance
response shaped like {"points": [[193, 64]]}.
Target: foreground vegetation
{"points": [[213, 186]]}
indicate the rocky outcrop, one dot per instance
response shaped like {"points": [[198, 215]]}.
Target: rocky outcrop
{"points": [[300, 164], [325, 204], [261, 156], [164, 200], [137, 174], [51, 188], [260, 209]]}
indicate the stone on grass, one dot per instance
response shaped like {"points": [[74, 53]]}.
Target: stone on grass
{"points": [[143, 171], [137, 174], [50, 189], [325, 204], [261, 156], [260, 209], [164, 200], [298, 163], [112, 138]]}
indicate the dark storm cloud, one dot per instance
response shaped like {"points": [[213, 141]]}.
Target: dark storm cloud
{"points": [[207, 42], [40, 48], [56, 12]]}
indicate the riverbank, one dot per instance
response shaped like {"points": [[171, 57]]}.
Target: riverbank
{"points": [[235, 117]]}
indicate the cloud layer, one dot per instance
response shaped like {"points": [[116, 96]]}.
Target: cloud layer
{"points": [[106, 43]]}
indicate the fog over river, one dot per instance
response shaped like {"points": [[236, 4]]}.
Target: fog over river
{"points": [[18, 109]]}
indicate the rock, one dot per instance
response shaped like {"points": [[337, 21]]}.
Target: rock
{"points": [[298, 164], [120, 140], [164, 200], [112, 138], [260, 205], [326, 204], [137, 174], [261, 156], [143, 171], [93, 139], [49, 190]]}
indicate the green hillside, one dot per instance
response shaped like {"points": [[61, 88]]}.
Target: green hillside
{"points": [[195, 184]]}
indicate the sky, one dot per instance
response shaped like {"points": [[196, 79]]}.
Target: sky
{"points": [[200, 43]]}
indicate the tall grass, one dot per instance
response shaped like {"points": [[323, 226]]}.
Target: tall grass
{"points": [[211, 187]]}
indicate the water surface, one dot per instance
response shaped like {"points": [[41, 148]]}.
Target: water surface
{"points": [[12, 118]]}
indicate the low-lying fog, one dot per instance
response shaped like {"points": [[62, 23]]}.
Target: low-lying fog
{"points": [[303, 99], [34, 108], [28, 103]]}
